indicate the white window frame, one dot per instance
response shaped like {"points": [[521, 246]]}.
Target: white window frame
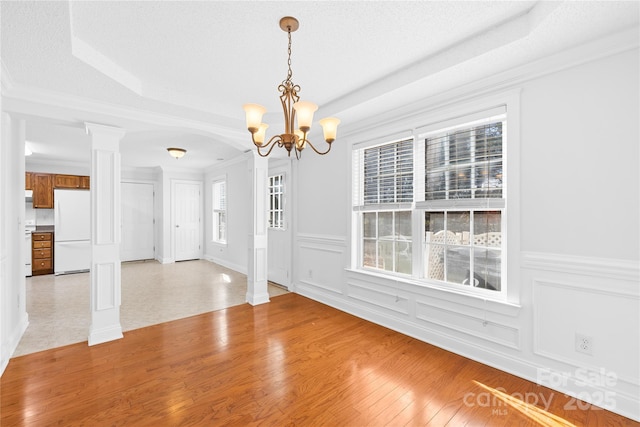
{"points": [[456, 242], [395, 243], [219, 217], [279, 195], [450, 115]]}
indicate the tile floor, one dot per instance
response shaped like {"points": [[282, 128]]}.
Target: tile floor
{"points": [[152, 293]]}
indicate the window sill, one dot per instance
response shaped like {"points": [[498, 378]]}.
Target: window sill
{"points": [[221, 244], [426, 289]]}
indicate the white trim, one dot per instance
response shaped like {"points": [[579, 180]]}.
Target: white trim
{"points": [[5, 79], [483, 116], [624, 270], [430, 290], [323, 239], [373, 138], [110, 333], [225, 263], [514, 344]]}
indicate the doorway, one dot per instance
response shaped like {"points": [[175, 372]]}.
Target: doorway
{"points": [[279, 225], [138, 236]]}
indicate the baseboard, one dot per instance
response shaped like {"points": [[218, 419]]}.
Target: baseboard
{"points": [[227, 264], [13, 342]]}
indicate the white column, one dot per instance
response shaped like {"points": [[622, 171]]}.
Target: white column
{"points": [[257, 290], [105, 233]]}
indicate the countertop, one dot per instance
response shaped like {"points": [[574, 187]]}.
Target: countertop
{"points": [[44, 229]]}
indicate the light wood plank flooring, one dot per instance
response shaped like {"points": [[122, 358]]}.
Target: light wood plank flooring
{"points": [[292, 361]]}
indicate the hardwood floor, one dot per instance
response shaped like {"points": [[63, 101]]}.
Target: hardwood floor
{"points": [[292, 361]]}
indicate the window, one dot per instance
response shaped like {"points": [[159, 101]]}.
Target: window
{"points": [[220, 211], [276, 201], [463, 171], [387, 175], [387, 240], [432, 207]]}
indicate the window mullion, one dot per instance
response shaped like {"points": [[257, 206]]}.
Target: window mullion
{"points": [[473, 163]]}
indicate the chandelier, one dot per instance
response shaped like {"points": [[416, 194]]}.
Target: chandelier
{"points": [[293, 109]]}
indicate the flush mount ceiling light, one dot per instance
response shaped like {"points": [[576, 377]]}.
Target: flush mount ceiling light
{"points": [[291, 105], [176, 152]]}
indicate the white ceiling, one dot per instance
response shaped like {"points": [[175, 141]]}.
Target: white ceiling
{"points": [[176, 73]]}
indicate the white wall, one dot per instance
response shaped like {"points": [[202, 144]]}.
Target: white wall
{"points": [[12, 243], [578, 250], [233, 254], [580, 161]]}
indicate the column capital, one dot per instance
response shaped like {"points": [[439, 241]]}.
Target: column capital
{"points": [[97, 129]]}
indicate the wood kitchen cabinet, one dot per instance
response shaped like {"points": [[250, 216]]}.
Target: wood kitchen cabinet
{"points": [[28, 185], [42, 190], [43, 184], [71, 181], [41, 253]]}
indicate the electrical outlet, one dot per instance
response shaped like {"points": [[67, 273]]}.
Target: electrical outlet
{"points": [[584, 344]]}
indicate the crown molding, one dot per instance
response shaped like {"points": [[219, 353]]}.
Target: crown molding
{"points": [[5, 78], [509, 31], [31, 101], [53, 163]]}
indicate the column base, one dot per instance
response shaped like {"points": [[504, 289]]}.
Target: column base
{"points": [[258, 299], [103, 335]]}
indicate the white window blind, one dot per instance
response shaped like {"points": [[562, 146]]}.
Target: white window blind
{"points": [[219, 211], [385, 174], [465, 163], [219, 196]]}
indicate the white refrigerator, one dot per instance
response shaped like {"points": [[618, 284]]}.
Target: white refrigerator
{"points": [[72, 231]]}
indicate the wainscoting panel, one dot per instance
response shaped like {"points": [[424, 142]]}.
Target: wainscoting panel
{"points": [[594, 298], [315, 251], [380, 297], [563, 309], [467, 321]]}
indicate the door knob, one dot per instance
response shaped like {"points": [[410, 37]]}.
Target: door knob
{"points": [[177, 226]]}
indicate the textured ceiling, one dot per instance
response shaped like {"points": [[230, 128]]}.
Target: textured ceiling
{"points": [[198, 62]]}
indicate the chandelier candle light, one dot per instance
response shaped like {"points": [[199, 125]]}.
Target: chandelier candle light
{"points": [[292, 107]]}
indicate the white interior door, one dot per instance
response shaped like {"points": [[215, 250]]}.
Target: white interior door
{"points": [[279, 238], [137, 222], [186, 219]]}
